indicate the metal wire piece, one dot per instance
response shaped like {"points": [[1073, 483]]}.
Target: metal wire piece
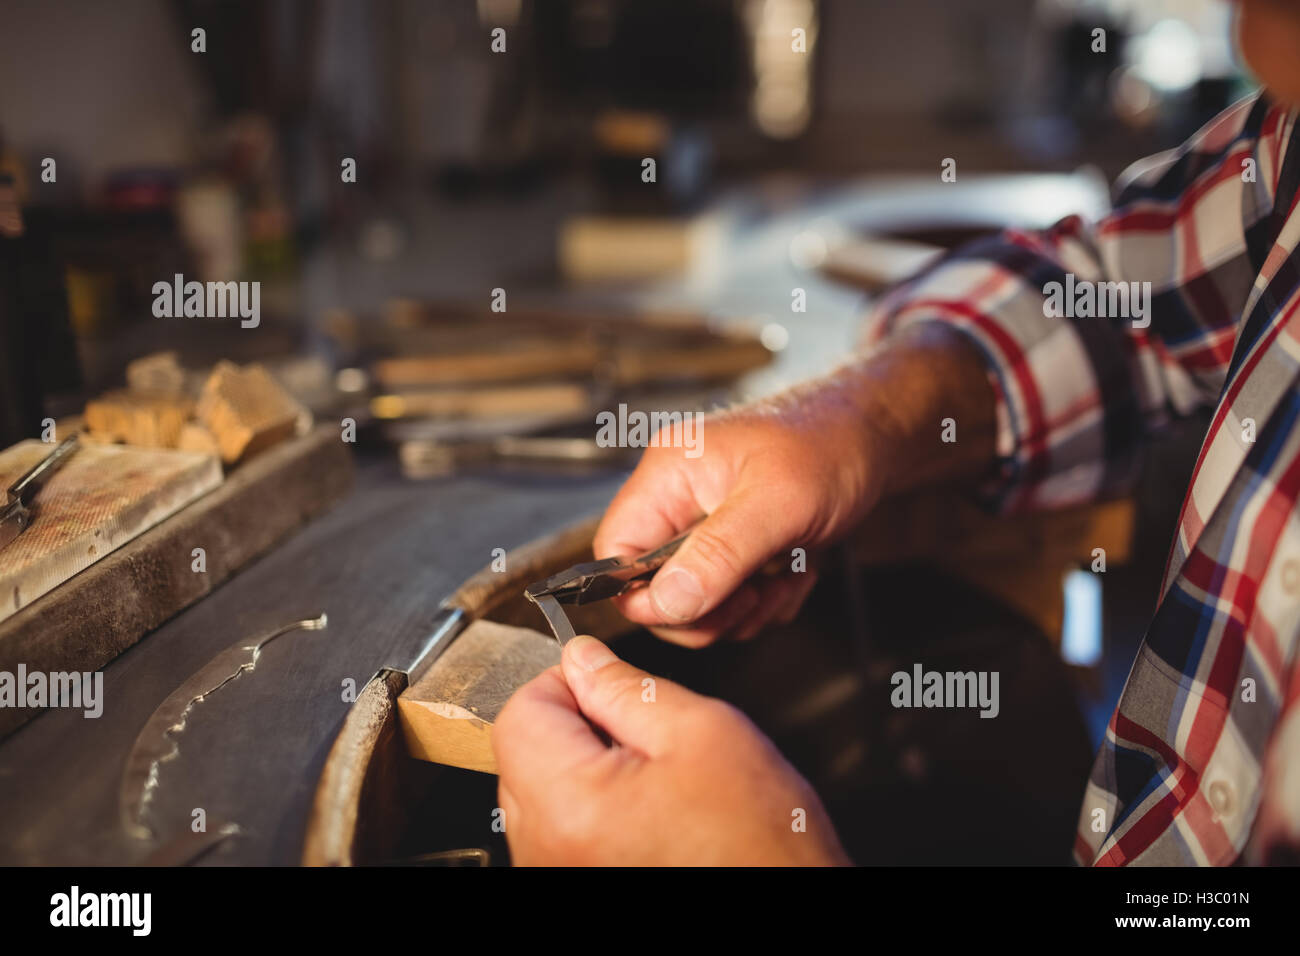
{"points": [[156, 743]]}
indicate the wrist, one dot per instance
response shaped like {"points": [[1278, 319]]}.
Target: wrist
{"points": [[928, 409], [856, 441]]}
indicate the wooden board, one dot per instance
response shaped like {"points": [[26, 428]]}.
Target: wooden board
{"points": [[447, 717], [99, 499], [90, 619]]}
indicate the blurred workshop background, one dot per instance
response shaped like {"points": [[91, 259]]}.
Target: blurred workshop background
{"points": [[798, 147]]}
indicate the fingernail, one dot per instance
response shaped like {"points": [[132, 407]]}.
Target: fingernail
{"points": [[589, 653], [677, 595]]}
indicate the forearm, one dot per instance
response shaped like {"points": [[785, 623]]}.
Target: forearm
{"points": [[930, 373], [880, 418]]}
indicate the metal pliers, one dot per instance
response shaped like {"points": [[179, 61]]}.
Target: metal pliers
{"points": [[596, 581]]}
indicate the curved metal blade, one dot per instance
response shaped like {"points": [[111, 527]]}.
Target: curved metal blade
{"points": [[156, 743]]}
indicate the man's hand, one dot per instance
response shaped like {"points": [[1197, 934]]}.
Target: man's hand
{"points": [[685, 780], [794, 471], [771, 478]]}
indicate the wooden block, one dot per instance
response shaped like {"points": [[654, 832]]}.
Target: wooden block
{"points": [[447, 717], [194, 437], [158, 374], [137, 418], [99, 499], [246, 410]]}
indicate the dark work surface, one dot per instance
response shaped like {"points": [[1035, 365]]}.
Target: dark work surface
{"points": [[901, 786], [378, 564]]}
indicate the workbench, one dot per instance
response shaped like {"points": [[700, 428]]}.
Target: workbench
{"points": [[378, 564]]}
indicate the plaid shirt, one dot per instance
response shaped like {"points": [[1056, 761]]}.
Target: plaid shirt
{"points": [[1195, 755]]}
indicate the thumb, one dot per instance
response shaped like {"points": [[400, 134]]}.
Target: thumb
{"points": [[634, 708], [723, 550]]}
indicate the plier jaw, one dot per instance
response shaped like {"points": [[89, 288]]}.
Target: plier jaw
{"points": [[594, 581], [580, 584], [583, 583]]}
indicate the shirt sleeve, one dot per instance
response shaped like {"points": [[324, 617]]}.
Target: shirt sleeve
{"points": [[1097, 334]]}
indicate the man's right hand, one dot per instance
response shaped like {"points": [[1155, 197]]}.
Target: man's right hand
{"points": [[794, 471], [771, 478]]}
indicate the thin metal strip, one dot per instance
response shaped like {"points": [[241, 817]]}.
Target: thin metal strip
{"points": [[555, 617]]}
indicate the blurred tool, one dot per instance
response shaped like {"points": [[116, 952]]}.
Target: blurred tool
{"points": [[16, 514], [456, 385], [433, 459]]}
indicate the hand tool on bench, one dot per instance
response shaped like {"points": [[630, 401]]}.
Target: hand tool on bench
{"points": [[596, 581], [16, 515], [434, 459]]}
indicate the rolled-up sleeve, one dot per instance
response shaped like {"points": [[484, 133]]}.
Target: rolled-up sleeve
{"points": [[1080, 384]]}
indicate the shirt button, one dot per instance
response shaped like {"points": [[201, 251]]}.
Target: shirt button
{"points": [[1291, 575], [1221, 798]]}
